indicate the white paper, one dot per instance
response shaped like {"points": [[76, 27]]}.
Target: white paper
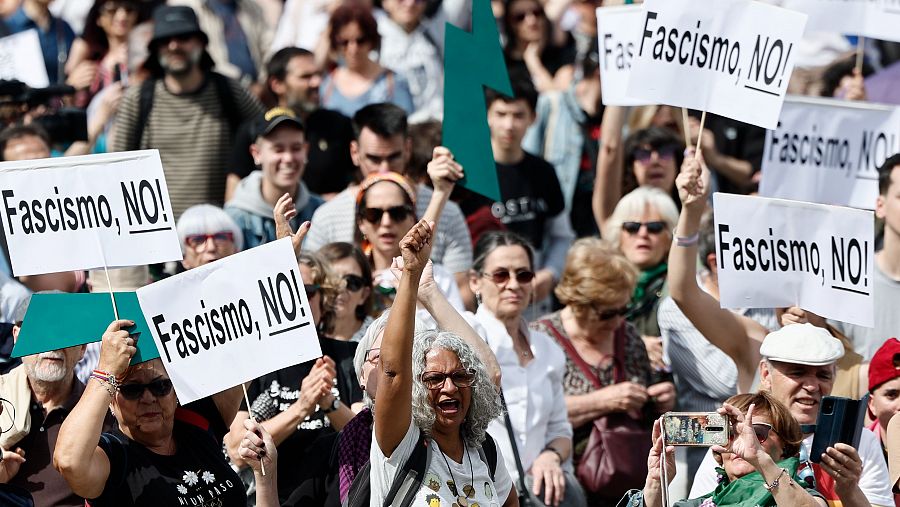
{"points": [[21, 59], [75, 213], [873, 18], [231, 321], [729, 57], [828, 151], [773, 253], [618, 34]]}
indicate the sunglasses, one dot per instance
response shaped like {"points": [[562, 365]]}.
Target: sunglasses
{"points": [[354, 283], [397, 213], [654, 227], [434, 380], [762, 431], [113, 7], [359, 41], [373, 355], [311, 289], [502, 276], [666, 153], [608, 314], [158, 388], [198, 240], [177, 38], [520, 16]]}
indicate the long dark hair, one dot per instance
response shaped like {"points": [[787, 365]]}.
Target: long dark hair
{"points": [[340, 250], [94, 36]]}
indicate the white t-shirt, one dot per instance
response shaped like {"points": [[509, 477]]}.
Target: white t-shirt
{"points": [[873, 482], [435, 491]]}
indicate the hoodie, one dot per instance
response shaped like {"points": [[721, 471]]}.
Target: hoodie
{"points": [[254, 215]]}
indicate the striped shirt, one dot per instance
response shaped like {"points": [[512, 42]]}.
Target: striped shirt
{"points": [[192, 135]]}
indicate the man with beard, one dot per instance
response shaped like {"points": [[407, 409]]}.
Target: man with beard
{"points": [[38, 395], [186, 111]]}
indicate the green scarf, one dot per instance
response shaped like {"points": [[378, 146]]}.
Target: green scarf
{"points": [[749, 490], [645, 279]]}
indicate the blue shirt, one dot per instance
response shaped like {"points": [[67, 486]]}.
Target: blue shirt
{"points": [[235, 39], [56, 41]]}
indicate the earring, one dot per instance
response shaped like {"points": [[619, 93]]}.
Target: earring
{"points": [[478, 297]]}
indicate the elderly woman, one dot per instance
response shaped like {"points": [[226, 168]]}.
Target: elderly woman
{"points": [[353, 304], [151, 459], [533, 367], [207, 234], [607, 368], [759, 466]]}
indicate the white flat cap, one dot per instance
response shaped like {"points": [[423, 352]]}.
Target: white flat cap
{"points": [[802, 344]]}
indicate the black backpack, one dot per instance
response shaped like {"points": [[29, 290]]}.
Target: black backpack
{"points": [[223, 91], [409, 478]]}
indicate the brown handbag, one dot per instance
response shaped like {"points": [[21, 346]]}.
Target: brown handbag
{"points": [[615, 459]]}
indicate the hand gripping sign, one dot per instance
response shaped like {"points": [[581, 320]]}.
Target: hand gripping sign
{"points": [[232, 320]]}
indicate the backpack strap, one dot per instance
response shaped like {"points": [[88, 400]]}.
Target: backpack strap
{"points": [[227, 101], [411, 475], [488, 454], [145, 104]]}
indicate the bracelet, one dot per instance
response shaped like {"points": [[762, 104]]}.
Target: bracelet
{"points": [[770, 487], [554, 451], [105, 385], [107, 377], [687, 241]]}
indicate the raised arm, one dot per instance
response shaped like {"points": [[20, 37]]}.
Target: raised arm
{"points": [[395, 370], [608, 181], [444, 172]]}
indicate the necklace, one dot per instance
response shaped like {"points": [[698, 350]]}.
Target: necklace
{"points": [[462, 500]]}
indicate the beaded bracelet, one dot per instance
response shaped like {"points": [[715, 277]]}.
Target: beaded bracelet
{"points": [[770, 487], [105, 384], [107, 377]]}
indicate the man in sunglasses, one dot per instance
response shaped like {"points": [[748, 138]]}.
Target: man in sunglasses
{"points": [[280, 153], [37, 396]]}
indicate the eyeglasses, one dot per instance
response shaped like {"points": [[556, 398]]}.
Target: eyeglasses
{"points": [[502, 276], [461, 378], [113, 7], [654, 227], [198, 240], [373, 355], [354, 283], [311, 289], [158, 388], [762, 431], [608, 314], [397, 213], [359, 41], [666, 153], [177, 38], [520, 16]]}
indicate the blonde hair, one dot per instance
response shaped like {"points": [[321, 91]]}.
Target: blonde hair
{"points": [[595, 274], [641, 117], [635, 203]]}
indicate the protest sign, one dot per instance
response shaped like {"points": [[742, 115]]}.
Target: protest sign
{"points": [[773, 253], [872, 18], [21, 59], [74, 213], [618, 33], [56, 321], [828, 151], [732, 58], [246, 311]]}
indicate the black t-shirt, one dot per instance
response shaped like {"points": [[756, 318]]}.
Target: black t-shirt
{"points": [[329, 168], [739, 140], [196, 475], [273, 393]]}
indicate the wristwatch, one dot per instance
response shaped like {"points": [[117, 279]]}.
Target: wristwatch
{"points": [[336, 404]]}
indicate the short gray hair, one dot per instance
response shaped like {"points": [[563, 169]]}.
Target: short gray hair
{"points": [[485, 406], [208, 219], [634, 203]]}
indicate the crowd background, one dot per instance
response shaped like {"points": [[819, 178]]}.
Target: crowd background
{"points": [[587, 296]]}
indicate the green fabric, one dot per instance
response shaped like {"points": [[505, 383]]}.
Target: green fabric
{"points": [[749, 490], [644, 280]]}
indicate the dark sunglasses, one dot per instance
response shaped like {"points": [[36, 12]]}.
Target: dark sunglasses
{"points": [[666, 152], [342, 43], [354, 283], [113, 7], [654, 227], [520, 16], [502, 276], [608, 314], [397, 213], [311, 289], [762, 431], [461, 378], [177, 38], [198, 240], [158, 388]]}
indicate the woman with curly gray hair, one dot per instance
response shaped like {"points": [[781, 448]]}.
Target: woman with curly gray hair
{"points": [[437, 386]]}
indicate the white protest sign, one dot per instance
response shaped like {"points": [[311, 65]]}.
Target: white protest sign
{"points": [[774, 253], [873, 18], [21, 59], [75, 213], [618, 33], [231, 321], [828, 151], [729, 57]]}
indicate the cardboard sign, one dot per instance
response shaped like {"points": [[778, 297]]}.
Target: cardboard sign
{"points": [[733, 57], [57, 321], [873, 18], [74, 213], [21, 59], [618, 33], [774, 253], [232, 320], [828, 151]]}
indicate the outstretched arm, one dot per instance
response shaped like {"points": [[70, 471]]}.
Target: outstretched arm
{"points": [[608, 181]]}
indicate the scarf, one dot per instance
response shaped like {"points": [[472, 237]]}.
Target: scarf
{"points": [[353, 449], [645, 279], [749, 490]]}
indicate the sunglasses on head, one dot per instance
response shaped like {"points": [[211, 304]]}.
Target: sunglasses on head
{"points": [[654, 227], [520, 16], [158, 388], [666, 152], [610, 313], [397, 213], [502, 276], [461, 378], [354, 283], [198, 240]]}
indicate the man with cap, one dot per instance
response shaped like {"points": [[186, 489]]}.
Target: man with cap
{"points": [[280, 152], [797, 366], [186, 111]]}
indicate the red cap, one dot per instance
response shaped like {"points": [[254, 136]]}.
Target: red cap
{"points": [[885, 364]]}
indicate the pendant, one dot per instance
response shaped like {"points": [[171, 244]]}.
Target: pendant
{"points": [[462, 501]]}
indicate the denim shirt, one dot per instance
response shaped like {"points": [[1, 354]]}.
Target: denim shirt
{"points": [[56, 41]]}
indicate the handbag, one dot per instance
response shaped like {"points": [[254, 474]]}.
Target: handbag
{"points": [[615, 459], [526, 497]]}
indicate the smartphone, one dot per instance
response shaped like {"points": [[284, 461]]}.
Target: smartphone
{"points": [[696, 429], [840, 420]]}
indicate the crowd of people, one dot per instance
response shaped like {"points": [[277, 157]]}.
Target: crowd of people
{"points": [[568, 316]]}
